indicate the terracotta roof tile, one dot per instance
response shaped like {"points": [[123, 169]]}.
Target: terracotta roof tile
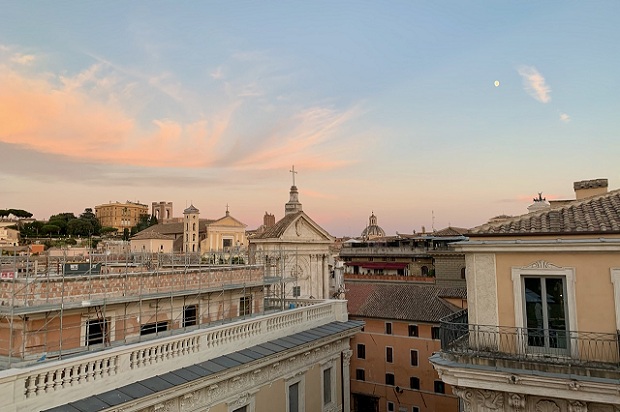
{"points": [[401, 302], [151, 235], [278, 229], [592, 215]]}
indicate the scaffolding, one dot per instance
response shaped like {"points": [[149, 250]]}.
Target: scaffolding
{"points": [[55, 307]]}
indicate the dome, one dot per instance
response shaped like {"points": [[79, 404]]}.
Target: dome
{"points": [[191, 210], [373, 230]]}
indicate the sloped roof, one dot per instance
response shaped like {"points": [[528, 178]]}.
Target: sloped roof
{"points": [[175, 228], [151, 235], [400, 302], [451, 231], [276, 231], [597, 214]]}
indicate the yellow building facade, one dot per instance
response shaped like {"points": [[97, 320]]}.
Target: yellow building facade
{"points": [[120, 215]]}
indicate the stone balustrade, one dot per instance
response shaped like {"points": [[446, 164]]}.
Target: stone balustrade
{"points": [[59, 382]]}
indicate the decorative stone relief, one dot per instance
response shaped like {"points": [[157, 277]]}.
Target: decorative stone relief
{"points": [[164, 406], [190, 400], [346, 357], [490, 400], [541, 264], [577, 406], [547, 406], [243, 399], [517, 402], [466, 395]]}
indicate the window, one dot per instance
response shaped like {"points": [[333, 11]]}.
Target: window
{"points": [[388, 355], [424, 270], [242, 409], [293, 397], [414, 357], [156, 327], [360, 374], [97, 331], [413, 330], [463, 273], [390, 406], [440, 387], [389, 379], [245, 305], [361, 351], [296, 291], [435, 332], [415, 409], [414, 383], [388, 328], [227, 242], [190, 315], [327, 386], [545, 312]]}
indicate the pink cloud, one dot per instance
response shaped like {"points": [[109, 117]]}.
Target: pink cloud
{"points": [[535, 84]]}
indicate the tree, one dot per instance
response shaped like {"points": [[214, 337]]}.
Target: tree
{"points": [[31, 229], [79, 227], [144, 222], [89, 216], [19, 213], [125, 234], [50, 229], [61, 220]]}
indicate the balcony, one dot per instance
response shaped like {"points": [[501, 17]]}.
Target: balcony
{"points": [[563, 352]]}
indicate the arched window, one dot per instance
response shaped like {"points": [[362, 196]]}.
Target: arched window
{"points": [[424, 270], [194, 227], [463, 273]]}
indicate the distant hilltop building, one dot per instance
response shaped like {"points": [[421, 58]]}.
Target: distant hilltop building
{"points": [[191, 234], [163, 211], [120, 215]]}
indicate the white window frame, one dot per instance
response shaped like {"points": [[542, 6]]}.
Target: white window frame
{"points": [[111, 315], [615, 280], [301, 391], [543, 269]]}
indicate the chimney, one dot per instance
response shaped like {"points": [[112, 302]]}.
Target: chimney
{"points": [[589, 188]]}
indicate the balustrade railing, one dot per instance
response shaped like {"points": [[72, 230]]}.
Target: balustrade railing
{"points": [[555, 346], [101, 371]]}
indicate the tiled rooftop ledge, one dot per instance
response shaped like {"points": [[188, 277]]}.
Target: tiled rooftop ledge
{"points": [[85, 375], [390, 278]]}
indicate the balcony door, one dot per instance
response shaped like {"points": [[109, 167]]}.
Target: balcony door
{"points": [[546, 319]]}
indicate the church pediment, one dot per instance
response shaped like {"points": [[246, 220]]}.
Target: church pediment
{"points": [[228, 221], [303, 228]]}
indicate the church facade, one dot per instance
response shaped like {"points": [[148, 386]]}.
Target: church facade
{"points": [[295, 249]]}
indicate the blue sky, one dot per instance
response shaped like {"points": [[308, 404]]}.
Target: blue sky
{"points": [[384, 107]]}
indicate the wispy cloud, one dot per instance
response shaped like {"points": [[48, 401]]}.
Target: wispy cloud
{"points": [[23, 59], [95, 117], [535, 84], [564, 117]]}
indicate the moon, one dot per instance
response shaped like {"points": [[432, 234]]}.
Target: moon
{"points": [[496, 83]]}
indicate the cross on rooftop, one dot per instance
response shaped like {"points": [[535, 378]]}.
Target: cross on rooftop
{"points": [[293, 172]]}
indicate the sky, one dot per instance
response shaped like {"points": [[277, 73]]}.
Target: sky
{"points": [[427, 113]]}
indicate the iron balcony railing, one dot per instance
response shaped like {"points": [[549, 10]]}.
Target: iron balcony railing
{"points": [[574, 348]]}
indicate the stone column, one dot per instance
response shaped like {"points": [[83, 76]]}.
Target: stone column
{"points": [[325, 274], [346, 380]]}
